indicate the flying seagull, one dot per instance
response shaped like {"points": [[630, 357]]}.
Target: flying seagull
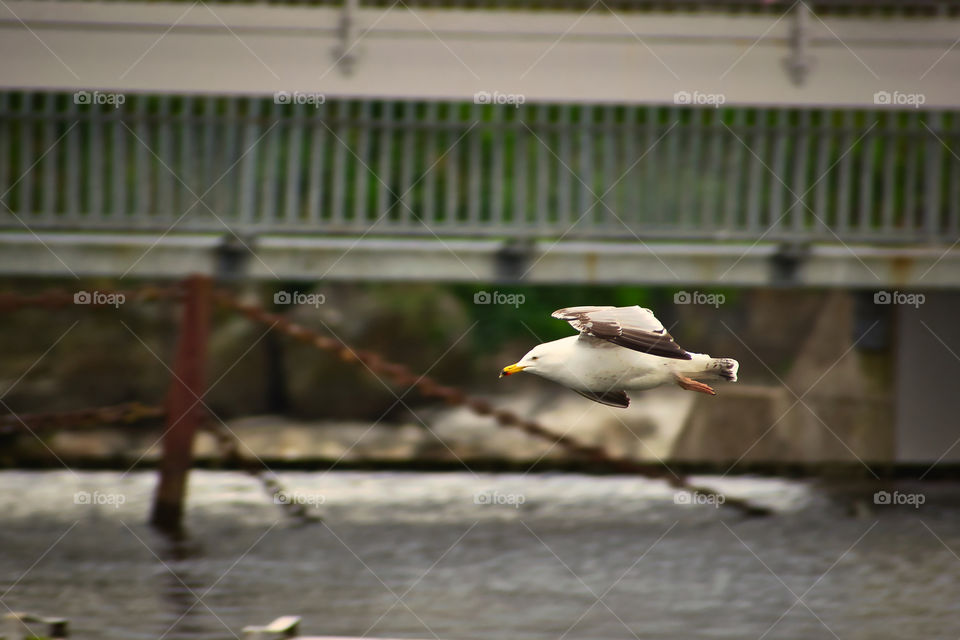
{"points": [[620, 349]]}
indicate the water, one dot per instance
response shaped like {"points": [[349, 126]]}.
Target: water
{"points": [[414, 555]]}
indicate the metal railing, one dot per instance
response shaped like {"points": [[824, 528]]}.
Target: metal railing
{"points": [[205, 163]]}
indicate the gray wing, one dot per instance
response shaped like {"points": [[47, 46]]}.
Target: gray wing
{"points": [[617, 399], [631, 327]]}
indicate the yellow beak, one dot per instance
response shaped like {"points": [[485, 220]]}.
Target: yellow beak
{"points": [[512, 369]]}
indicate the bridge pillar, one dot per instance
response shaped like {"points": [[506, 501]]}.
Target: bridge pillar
{"points": [[927, 374]]}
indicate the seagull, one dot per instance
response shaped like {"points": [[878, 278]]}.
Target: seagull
{"points": [[620, 349]]}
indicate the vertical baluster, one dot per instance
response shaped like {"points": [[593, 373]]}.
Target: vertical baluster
{"points": [[187, 184], [842, 223], [673, 170], [800, 182], [73, 145], [431, 163], [821, 205], [497, 195], [270, 183], [24, 177], [405, 190], [565, 130], [119, 143], [250, 161], [713, 179], [778, 210], [537, 203], [758, 143], [316, 178], [166, 180], [386, 207], [6, 145], [932, 168], [208, 124], [606, 212], [226, 199], [365, 212], [51, 123], [891, 144], [689, 174], [520, 162], [865, 218], [476, 167], [586, 199], [953, 182], [538, 154], [736, 174], [627, 162], [649, 190], [451, 171], [911, 161], [94, 170], [295, 137]]}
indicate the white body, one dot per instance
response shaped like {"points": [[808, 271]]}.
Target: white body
{"points": [[588, 364]]}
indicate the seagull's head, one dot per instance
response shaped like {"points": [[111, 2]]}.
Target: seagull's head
{"points": [[536, 360]]}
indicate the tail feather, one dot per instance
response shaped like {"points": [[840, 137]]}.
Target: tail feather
{"points": [[725, 368]]}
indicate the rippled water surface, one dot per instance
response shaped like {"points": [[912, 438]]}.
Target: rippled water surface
{"points": [[547, 556]]}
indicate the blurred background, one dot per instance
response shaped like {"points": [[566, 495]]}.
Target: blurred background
{"points": [[290, 245]]}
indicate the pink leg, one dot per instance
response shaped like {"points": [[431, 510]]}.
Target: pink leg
{"points": [[693, 385]]}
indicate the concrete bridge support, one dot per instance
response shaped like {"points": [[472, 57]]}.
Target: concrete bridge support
{"points": [[928, 379]]}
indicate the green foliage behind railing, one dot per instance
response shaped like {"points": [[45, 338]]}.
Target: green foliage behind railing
{"points": [[205, 163]]}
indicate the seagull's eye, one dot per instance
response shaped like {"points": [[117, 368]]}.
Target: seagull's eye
{"points": [[535, 357]]}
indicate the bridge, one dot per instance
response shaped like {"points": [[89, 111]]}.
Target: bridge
{"points": [[672, 142], [776, 144]]}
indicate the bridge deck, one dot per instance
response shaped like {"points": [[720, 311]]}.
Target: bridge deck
{"points": [[596, 172]]}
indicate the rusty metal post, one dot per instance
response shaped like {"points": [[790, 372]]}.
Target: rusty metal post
{"points": [[184, 409]]}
